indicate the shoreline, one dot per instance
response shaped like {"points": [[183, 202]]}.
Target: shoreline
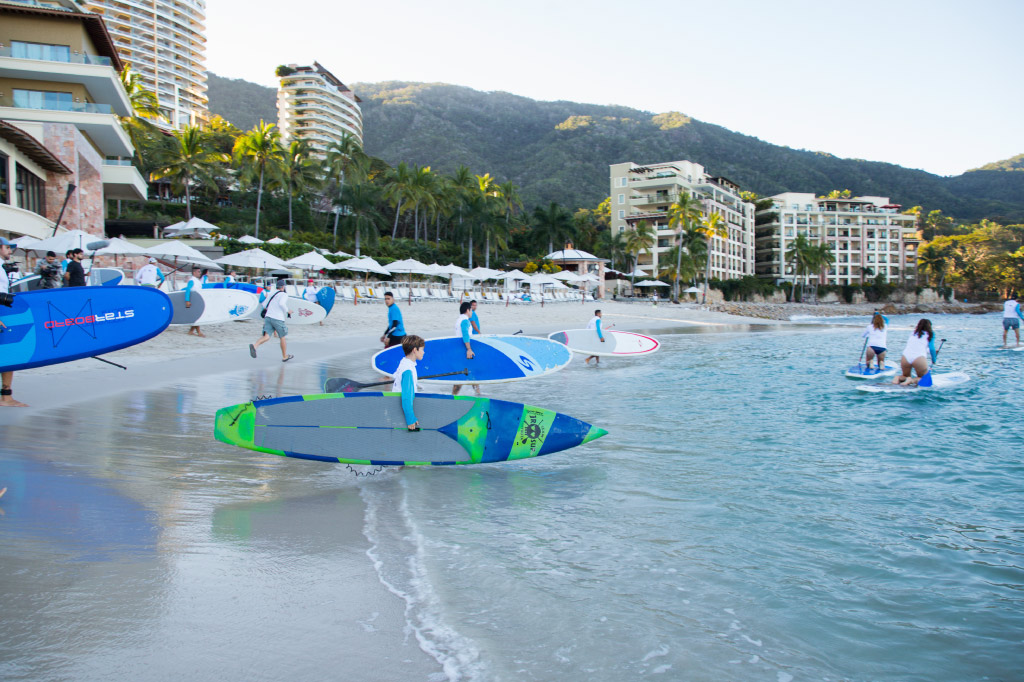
{"points": [[787, 311]]}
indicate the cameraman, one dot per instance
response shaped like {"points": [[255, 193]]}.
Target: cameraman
{"points": [[49, 271], [6, 399]]}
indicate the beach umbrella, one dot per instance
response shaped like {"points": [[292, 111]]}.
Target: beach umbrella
{"points": [[311, 261], [636, 273], [364, 264], [179, 250], [195, 226], [253, 258], [513, 275], [567, 276], [571, 254], [544, 279], [651, 283], [452, 270], [249, 239], [120, 247], [24, 242], [276, 240], [691, 290], [409, 265], [73, 239], [483, 273]]}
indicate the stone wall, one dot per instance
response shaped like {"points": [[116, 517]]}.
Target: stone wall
{"points": [[85, 207]]}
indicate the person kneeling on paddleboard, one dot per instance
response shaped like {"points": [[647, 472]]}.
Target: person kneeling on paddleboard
{"points": [[920, 342], [406, 377], [464, 328], [876, 334]]}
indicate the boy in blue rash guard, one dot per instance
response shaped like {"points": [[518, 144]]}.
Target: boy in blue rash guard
{"points": [[464, 328], [473, 319], [406, 378], [197, 281], [395, 332], [595, 324]]}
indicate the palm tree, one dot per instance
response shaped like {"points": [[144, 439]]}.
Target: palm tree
{"points": [[641, 238], [463, 188], [362, 216], [611, 245], [301, 173], [933, 259], [492, 204], [823, 257], [683, 213], [681, 266], [801, 255], [420, 192], [260, 148], [553, 223], [397, 187], [188, 159], [710, 227]]}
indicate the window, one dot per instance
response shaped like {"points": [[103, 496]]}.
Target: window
{"points": [[5, 195], [50, 53], [622, 182], [622, 198], [30, 189], [41, 99], [622, 214]]}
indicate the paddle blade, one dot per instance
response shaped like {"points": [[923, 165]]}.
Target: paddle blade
{"points": [[341, 385]]}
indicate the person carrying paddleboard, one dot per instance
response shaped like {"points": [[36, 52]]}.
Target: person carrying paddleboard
{"points": [[406, 377], [6, 393], [473, 319], [876, 333], [464, 329], [1011, 311], [595, 324], [275, 312], [395, 332], [195, 282], [148, 275], [920, 343]]}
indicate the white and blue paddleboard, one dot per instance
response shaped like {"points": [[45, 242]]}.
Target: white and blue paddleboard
{"points": [[497, 359], [1016, 349], [862, 371], [939, 381]]}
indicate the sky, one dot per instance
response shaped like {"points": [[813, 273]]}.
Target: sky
{"points": [[936, 85]]}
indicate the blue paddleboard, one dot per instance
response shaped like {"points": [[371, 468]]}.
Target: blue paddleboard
{"points": [[497, 359], [50, 326], [325, 297], [862, 371]]}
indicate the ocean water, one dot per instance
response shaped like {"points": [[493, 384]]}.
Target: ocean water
{"points": [[750, 516]]}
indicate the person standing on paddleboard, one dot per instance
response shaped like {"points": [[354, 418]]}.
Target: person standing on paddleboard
{"points": [[877, 335], [1011, 311], [406, 378], [395, 332], [274, 313], [6, 393], [595, 324], [464, 328], [75, 274], [194, 283], [148, 275], [920, 343]]}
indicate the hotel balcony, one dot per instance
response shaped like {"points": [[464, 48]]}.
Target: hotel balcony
{"points": [[95, 73], [122, 180], [21, 221], [97, 121]]}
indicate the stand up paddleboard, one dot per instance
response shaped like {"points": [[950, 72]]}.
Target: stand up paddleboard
{"points": [[26, 284], [325, 297], [1015, 349], [212, 306], [369, 428], [241, 286], [497, 359], [51, 326], [939, 381], [862, 371], [107, 277], [616, 343]]}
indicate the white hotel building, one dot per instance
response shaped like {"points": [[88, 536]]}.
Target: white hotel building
{"points": [[646, 192], [868, 235], [313, 105]]}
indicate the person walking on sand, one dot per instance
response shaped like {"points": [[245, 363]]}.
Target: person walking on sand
{"points": [[920, 343], [274, 313], [1011, 311], [148, 274], [6, 393], [309, 294], [877, 335], [194, 283], [406, 378], [595, 324], [463, 329], [395, 332], [473, 319]]}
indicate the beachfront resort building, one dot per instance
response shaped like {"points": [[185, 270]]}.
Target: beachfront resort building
{"points": [[313, 105], [62, 148], [164, 41], [644, 193], [868, 235]]}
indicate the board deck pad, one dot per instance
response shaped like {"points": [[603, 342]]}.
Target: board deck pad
{"points": [[862, 371], [939, 381], [50, 326], [497, 359], [616, 343], [369, 428], [212, 306]]}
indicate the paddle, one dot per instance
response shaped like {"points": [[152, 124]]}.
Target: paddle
{"points": [[96, 357], [941, 342], [861, 356], [343, 385]]}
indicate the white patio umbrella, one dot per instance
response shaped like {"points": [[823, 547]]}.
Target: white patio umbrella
{"points": [[651, 283], [513, 275], [364, 264], [691, 290], [409, 265], [24, 242], [452, 270], [636, 273], [343, 254], [544, 279], [194, 226], [73, 239], [249, 239], [567, 276], [483, 273], [253, 258], [180, 251], [120, 247], [276, 240], [311, 261]]}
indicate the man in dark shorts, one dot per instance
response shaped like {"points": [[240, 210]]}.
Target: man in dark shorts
{"points": [[395, 333], [75, 275]]}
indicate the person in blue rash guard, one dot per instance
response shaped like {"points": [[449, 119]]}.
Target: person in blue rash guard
{"points": [[406, 378], [595, 324], [395, 332], [464, 329], [920, 342], [197, 281], [473, 319], [876, 333]]}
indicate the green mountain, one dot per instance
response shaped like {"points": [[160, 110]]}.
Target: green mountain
{"points": [[560, 151], [1014, 163]]}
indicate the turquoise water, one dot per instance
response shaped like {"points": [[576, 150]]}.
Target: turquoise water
{"points": [[750, 516]]}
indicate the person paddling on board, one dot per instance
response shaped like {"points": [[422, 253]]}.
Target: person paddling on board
{"points": [[921, 342], [395, 332], [595, 324], [876, 333], [406, 377], [1011, 311], [464, 328]]}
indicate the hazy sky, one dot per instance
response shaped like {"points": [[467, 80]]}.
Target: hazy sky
{"points": [[931, 84]]}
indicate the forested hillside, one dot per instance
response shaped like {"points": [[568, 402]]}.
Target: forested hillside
{"points": [[560, 151]]}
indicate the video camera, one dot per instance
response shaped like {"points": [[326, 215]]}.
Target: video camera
{"points": [[6, 300], [10, 267]]}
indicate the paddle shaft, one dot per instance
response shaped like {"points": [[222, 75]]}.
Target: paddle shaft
{"points": [[863, 348], [96, 357], [351, 385], [941, 343]]}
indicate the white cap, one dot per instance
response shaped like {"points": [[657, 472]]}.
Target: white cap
{"points": [[152, 260]]}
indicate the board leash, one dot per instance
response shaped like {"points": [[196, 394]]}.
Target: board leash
{"points": [[357, 473]]}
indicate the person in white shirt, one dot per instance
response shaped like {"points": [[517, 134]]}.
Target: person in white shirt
{"points": [[595, 324], [6, 393], [309, 294], [276, 309], [148, 274], [231, 277], [1011, 311], [877, 335]]}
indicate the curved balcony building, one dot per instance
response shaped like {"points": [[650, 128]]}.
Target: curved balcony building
{"points": [[313, 105]]}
